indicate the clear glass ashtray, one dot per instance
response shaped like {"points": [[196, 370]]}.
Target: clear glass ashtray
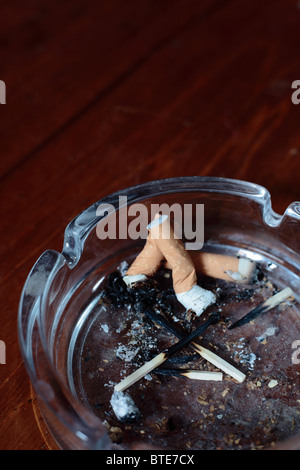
{"points": [[77, 343]]}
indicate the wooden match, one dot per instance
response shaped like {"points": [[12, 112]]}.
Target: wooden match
{"points": [[164, 355], [219, 363], [264, 307], [205, 353], [191, 374]]}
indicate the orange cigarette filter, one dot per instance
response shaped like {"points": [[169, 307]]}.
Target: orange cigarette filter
{"points": [[161, 245]]}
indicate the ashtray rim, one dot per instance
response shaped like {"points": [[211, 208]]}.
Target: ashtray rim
{"points": [[79, 228]]}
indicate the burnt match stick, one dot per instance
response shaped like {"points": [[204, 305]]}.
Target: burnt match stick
{"points": [[164, 355], [182, 359], [264, 307], [191, 374], [205, 353], [219, 362]]}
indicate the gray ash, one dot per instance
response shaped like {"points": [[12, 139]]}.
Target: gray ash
{"points": [[145, 294]]}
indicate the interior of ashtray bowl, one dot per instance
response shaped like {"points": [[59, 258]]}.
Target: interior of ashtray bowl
{"points": [[94, 344]]}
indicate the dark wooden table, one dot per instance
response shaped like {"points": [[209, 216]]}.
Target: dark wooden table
{"points": [[101, 95]]}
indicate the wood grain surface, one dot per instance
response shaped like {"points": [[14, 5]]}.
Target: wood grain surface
{"points": [[102, 95]]}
